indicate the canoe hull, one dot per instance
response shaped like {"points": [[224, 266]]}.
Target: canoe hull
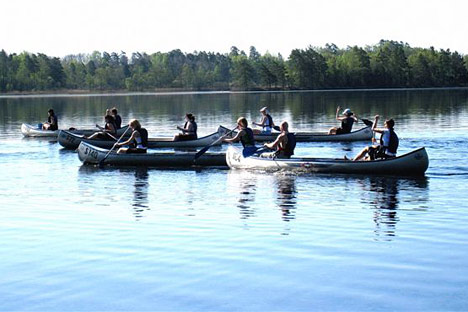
{"points": [[89, 154], [33, 131], [72, 141], [413, 163], [362, 134]]}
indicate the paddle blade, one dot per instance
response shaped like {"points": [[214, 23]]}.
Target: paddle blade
{"points": [[367, 122], [201, 152], [277, 128]]}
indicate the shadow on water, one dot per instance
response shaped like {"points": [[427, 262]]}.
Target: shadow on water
{"points": [[384, 194]]}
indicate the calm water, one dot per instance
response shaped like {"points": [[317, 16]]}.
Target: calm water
{"points": [[75, 237]]}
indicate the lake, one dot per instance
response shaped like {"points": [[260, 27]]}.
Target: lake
{"points": [[81, 238]]}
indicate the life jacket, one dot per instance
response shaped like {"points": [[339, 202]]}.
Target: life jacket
{"points": [[143, 138], [195, 127], [347, 124], [53, 121], [393, 144], [107, 127], [290, 145], [118, 122], [248, 138], [269, 124]]}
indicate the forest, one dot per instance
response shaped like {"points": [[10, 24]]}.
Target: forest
{"points": [[388, 64]]}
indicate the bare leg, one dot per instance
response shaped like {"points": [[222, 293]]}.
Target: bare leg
{"points": [[332, 130], [361, 154], [94, 135]]}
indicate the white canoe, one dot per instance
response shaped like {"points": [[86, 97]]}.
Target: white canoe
{"points": [[34, 131], [89, 154], [72, 140], [412, 163], [362, 134]]}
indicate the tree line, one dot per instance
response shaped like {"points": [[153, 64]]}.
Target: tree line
{"points": [[388, 64]]}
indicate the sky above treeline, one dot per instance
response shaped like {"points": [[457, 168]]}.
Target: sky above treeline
{"points": [[59, 28]]}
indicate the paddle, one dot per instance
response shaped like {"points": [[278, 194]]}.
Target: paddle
{"points": [[277, 128], [101, 128], [203, 150], [367, 122], [101, 162]]}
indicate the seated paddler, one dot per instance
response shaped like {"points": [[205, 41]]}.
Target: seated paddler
{"points": [[266, 123], [245, 136], [388, 145], [284, 144], [189, 130], [347, 120], [138, 140]]}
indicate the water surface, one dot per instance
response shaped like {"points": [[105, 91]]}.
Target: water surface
{"points": [[81, 238]]}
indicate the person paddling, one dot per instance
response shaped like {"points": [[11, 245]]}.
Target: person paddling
{"points": [[108, 132], [189, 131], [388, 142], [245, 136], [138, 140], [52, 121], [347, 121], [266, 123], [284, 144]]}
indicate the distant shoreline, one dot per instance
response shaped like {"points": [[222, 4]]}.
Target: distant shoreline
{"points": [[78, 93]]}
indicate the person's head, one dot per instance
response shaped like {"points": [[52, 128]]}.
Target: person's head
{"points": [[108, 118], [134, 124], [50, 111], [284, 126], [242, 122], [264, 110], [189, 117], [114, 111], [347, 112], [389, 123]]}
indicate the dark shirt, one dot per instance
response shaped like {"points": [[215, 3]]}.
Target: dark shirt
{"points": [[118, 122], [347, 124]]}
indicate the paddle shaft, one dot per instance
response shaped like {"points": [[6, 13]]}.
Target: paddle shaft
{"points": [[203, 150], [113, 146]]}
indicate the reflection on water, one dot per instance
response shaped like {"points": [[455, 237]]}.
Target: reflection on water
{"points": [[244, 185], [286, 196], [140, 193], [385, 195]]}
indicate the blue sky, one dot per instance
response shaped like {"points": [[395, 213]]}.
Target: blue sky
{"points": [[58, 28]]}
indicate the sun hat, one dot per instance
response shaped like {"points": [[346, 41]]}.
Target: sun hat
{"points": [[264, 109], [347, 112]]}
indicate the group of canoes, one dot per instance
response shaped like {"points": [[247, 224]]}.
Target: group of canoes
{"points": [[128, 146]]}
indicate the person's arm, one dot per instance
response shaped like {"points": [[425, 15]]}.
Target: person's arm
{"points": [[132, 137], [374, 125], [112, 129], [236, 138], [275, 143], [337, 113]]}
